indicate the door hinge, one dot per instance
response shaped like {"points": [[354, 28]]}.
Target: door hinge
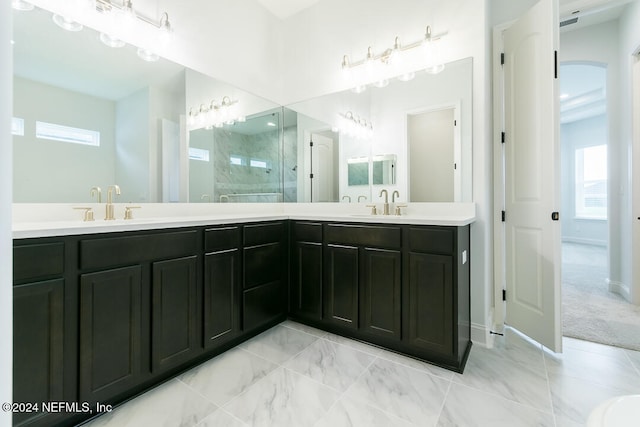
{"points": [[504, 216], [455, 123], [503, 137], [502, 58], [555, 216], [555, 64], [311, 175], [310, 143], [504, 295]]}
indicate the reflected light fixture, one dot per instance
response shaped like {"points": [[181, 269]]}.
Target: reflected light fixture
{"points": [[21, 5], [123, 17], [354, 126], [377, 69], [110, 40], [216, 114], [66, 23], [147, 55]]}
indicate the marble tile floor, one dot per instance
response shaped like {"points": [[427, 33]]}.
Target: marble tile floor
{"points": [[293, 375]]}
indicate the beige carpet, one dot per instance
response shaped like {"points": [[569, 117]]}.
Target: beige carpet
{"points": [[590, 311]]}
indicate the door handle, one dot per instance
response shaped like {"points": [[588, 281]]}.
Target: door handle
{"points": [[555, 216]]}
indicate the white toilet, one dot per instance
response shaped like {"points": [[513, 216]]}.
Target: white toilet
{"points": [[621, 411]]}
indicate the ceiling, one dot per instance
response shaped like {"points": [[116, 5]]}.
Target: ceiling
{"points": [[590, 12], [283, 9]]}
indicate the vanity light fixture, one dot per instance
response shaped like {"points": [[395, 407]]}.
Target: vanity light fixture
{"points": [[123, 17], [21, 5], [393, 62], [216, 114], [354, 126]]}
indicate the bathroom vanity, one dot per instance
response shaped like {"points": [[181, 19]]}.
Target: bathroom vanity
{"points": [[100, 316]]}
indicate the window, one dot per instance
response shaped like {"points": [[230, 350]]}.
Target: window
{"points": [[198, 154], [591, 182], [17, 126], [67, 134], [236, 160], [255, 163]]}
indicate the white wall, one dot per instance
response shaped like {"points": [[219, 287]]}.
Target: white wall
{"points": [[6, 242], [132, 148], [54, 171], [629, 225], [599, 43]]}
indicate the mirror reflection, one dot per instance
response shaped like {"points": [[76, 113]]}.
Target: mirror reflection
{"points": [[419, 142], [87, 115]]}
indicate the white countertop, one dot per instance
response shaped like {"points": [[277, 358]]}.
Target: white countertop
{"points": [[46, 220]]}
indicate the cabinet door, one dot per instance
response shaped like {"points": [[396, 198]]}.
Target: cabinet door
{"points": [[306, 280], [221, 298], [174, 311], [110, 333], [430, 302], [38, 331], [380, 306], [341, 285]]}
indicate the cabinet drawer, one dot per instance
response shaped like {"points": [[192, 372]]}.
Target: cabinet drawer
{"points": [[123, 250], [36, 261], [431, 239], [306, 232], [259, 234], [387, 237], [219, 239]]}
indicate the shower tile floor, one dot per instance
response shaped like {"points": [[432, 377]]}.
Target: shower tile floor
{"points": [[293, 375]]}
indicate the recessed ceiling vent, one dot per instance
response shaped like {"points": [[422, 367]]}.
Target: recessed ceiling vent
{"points": [[568, 22]]}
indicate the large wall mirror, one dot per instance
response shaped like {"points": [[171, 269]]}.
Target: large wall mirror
{"points": [[89, 115], [86, 115], [417, 139]]}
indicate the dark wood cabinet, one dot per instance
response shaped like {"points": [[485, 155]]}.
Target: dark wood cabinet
{"points": [[306, 270], [264, 298], [44, 351], [222, 287], [430, 308], [111, 333], [102, 317], [38, 333], [381, 291], [174, 313], [341, 285]]}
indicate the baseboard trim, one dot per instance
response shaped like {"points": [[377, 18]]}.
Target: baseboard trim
{"points": [[480, 334], [619, 288]]}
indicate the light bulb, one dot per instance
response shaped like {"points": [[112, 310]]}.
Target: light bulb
{"points": [[110, 40], [66, 23], [21, 5], [381, 83], [407, 76], [147, 55]]}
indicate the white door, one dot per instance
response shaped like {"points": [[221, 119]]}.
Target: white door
{"points": [[322, 166], [532, 237], [432, 160]]}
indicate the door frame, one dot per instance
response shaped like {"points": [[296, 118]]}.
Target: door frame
{"points": [[499, 230], [635, 177]]}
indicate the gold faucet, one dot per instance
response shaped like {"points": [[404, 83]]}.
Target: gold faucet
{"points": [[393, 196], [96, 191], [110, 214], [385, 209]]}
